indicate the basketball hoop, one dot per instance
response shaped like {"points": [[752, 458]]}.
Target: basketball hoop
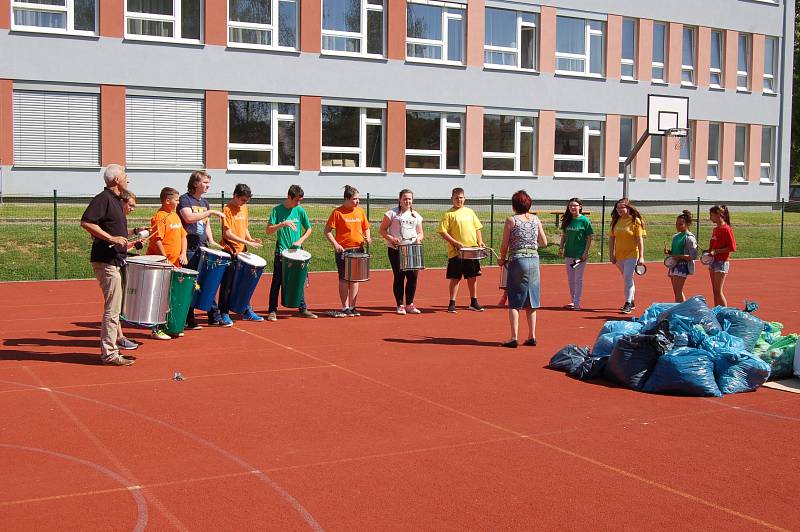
{"points": [[680, 136]]}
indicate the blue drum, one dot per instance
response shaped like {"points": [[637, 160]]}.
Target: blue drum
{"points": [[211, 267], [249, 268]]}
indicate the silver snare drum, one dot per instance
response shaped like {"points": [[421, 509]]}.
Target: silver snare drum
{"points": [[356, 266], [146, 294], [411, 257], [473, 253]]}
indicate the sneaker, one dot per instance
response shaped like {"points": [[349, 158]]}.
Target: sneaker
{"points": [[272, 316], [401, 310], [193, 326], [249, 315], [451, 308], [633, 305], [117, 360], [124, 343], [305, 313], [475, 306], [159, 334], [626, 308], [351, 312], [225, 320], [411, 309], [337, 314], [179, 335]]}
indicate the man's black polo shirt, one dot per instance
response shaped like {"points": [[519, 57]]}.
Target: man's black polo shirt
{"points": [[105, 210]]}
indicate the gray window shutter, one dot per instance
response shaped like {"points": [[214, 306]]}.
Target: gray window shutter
{"points": [[56, 129], [164, 132]]}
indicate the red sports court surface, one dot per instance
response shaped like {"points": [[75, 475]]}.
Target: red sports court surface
{"points": [[383, 421]]}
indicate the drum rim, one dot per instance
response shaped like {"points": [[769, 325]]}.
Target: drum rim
{"points": [[248, 259], [357, 255], [146, 259], [295, 254], [186, 271], [217, 252]]}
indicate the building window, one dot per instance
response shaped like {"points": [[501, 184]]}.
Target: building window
{"points": [[740, 154], [713, 151], [579, 46], [510, 39], [625, 141], [578, 147], [508, 144], [628, 67], [164, 132], [659, 52], [657, 156], [767, 153], [770, 64], [352, 138], [743, 66], [56, 129], [685, 155], [688, 60], [435, 33], [717, 60], [55, 16], [179, 20], [262, 24], [353, 27], [261, 135], [434, 141]]}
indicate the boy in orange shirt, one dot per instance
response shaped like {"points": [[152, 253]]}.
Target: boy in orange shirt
{"points": [[350, 223], [169, 238]]}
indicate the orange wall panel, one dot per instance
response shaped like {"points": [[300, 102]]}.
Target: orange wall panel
{"points": [[216, 22], [5, 14], [700, 150], [6, 122], [396, 30], [644, 50], [311, 26], [216, 129], [702, 75], [112, 124], [396, 136], [641, 164], [674, 55], [613, 46], [728, 151], [731, 58], [547, 143], [547, 40], [611, 158], [754, 153], [112, 18], [473, 142], [757, 63], [310, 132], [475, 31]]}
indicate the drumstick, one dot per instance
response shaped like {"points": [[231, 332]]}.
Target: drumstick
{"points": [[150, 234]]}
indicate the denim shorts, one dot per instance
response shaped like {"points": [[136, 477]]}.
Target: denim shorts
{"points": [[680, 270], [721, 266]]}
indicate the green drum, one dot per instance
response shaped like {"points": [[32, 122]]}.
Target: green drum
{"points": [[181, 290], [294, 270]]}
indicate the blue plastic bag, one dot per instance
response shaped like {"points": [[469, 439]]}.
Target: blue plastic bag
{"points": [[612, 331], [715, 343], [741, 324], [738, 371], [649, 316], [684, 371], [635, 356], [680, 327], [568, 357], [696, 309]]}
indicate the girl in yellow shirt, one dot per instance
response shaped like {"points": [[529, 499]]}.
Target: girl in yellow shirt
{"points": [[626, 246]]}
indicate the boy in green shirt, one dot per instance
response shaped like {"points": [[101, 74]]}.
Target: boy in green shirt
{"points": [[290, 221]]}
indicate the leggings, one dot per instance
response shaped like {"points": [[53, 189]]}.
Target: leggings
{"points": [[626, 268], [409, 276], [575, 280]]}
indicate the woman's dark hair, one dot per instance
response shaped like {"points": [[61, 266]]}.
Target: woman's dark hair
{"points": [[686, 216], [349, 192], [400, 196], [195, 178], [632, 211], [521, 202], [567, 218], [242, 190], [722, 210]]}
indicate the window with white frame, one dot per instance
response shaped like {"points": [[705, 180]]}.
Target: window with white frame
{"points": [[510, 39], [716, 60], [740, 154], [713, 151], [56, 129], [353, 27], [352, 138], [164, 131], [685, 155], [262, 135], [657, 156], [178, 20], [743, 65], [688, 55], [508, 144], [55, 16], [625, 141], [262, 24], [435, 32], [659, 52], [770, 64], [767, 153], [578, 147], [628, 61], [579, 46], [434, 141]]}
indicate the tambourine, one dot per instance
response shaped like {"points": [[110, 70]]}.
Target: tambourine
{"points": [[670, 261], [706, 258], [640, 269]]}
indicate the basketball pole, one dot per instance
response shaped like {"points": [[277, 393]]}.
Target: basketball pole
{"points": [[627, 164]]}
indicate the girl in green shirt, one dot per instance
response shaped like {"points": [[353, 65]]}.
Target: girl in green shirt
{"points": [[576, 239]]}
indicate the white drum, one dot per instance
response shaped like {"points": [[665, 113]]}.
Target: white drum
{"points": [[473, 253], [146, 295]]}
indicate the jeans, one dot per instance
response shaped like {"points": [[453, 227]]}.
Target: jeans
{"points": [[626, 268], [407, 278], [110, 280], [277, 283], [194, 264], [575, 280]]}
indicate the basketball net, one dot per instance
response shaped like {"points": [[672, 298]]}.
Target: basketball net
{"points": [[679, 137]]}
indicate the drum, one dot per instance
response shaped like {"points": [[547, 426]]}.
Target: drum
{"points": [[706, 258], [640, 269], [503, 277], [248, 270], [181, 290], [473, 253], [210, 269], [670, 261], [146, 295], [411, 257], [356, 266], [294, 275]]}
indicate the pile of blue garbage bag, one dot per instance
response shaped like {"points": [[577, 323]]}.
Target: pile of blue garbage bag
{"points": [[685, 349]]}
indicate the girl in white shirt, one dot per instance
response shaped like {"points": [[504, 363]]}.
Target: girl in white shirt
{"points": [[402, 225]]}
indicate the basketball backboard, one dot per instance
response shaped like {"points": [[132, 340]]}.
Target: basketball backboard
{"points": [[666, 113]]}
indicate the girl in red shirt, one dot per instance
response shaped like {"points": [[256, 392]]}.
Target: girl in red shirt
{"points": [[722, 244]]}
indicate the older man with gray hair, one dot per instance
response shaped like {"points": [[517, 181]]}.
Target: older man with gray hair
{"points": [[105, 220]]}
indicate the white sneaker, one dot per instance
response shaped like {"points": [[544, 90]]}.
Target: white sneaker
{"points": [[401, 310], [159, 334], [411, 309]]}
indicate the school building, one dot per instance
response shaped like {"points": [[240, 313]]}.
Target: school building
{"points": [[489, 95]]}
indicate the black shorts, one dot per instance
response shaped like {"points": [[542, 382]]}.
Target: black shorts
{"points": [[466, 268], [340, 260]]}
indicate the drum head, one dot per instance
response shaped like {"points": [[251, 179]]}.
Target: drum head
{"points": [[251, 259], [707, 258], [185, 271], [640, 269], [296, 254], [471, 249], [214, 252], [147, 259], [670, 261], [356, 255]]}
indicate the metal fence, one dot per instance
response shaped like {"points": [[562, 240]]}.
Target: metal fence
{"points": [[41, 237]]}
